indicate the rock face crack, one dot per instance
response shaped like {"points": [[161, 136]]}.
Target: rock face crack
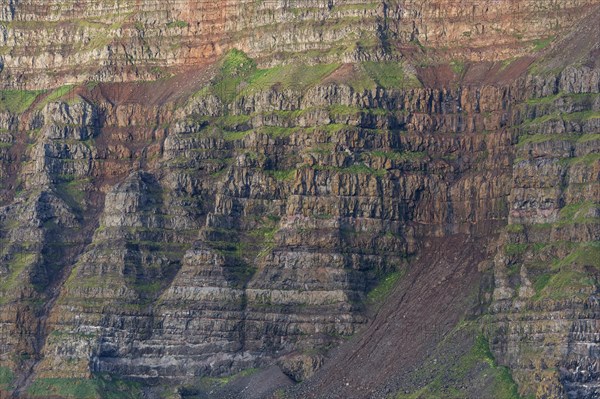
{"points": [[335, 193]]}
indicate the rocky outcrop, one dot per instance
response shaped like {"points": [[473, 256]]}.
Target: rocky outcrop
{"points": [[237, 217], [131, 40]]}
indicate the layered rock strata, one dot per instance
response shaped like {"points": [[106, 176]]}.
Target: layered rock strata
{"points": [[241, 217]]}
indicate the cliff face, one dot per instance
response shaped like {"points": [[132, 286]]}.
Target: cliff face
{"points": [[44, 44], [243, 212]]}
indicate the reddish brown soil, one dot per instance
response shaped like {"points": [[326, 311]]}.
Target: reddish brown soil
{"points": [[434, 295], [341, 75], [156, 93]]}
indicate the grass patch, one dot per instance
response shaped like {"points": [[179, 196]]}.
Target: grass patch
{"points": [[515, 228], [515, 249], [457, 66], [55, 95], [566, 284], [177, 24], [282, 175], [72, 192], [17, 101], [77, 388], [451, 379], [6, 378], [588, 137], [16, 267], [587, 159], [277, 131], [384, 288], [238, 75], [584, 255], [541, 44], [576, 213], [542, 138], [111, 388], [390, 75], [103, 387], [399, 155], [215, 382], [570, 277], [297, 76], [540, 283]]}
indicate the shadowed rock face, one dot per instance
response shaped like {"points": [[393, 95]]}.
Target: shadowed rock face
{"points": [[234, 216]]}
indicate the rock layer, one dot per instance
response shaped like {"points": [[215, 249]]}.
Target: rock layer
{"points": [[235, 217]]}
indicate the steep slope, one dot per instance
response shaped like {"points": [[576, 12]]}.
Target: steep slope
{"points": [[251, 213], [432, 297], [45, 44]]}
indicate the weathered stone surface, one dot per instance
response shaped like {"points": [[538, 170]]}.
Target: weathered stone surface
{"points": [[176, 229]]}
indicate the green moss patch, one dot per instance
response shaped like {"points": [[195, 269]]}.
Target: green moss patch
{"points": [[209, 383], [576, 213], [384, 288], [390, 75], [64, 387], [297, 76], [17, 266], [177, 24], [473, 370], [17, 101], [55, 95], [102, 387], [541, 44], [6, 378]]}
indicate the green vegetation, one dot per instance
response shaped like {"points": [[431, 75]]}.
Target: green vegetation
{"points": [[515, 228], [390, 75], [16, 266], [378, 294], [72, 192], [55, 95], [588, 159], [277, 131], [6, 378], [457, 66], [588, 137], [102, 387], [76, 388], [569, 276], [177, 24], [235, 67], [572, 97], [576, 212], [282, 175], [111, 388], [17, 101], [583, 255], [355, 169], [541, 44], [542, 138], [540, 283], [544, 100], [297, 76], [477, 365], [239, 74], [515, 249], [566, 284], [215, 382], [579, 117]]}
